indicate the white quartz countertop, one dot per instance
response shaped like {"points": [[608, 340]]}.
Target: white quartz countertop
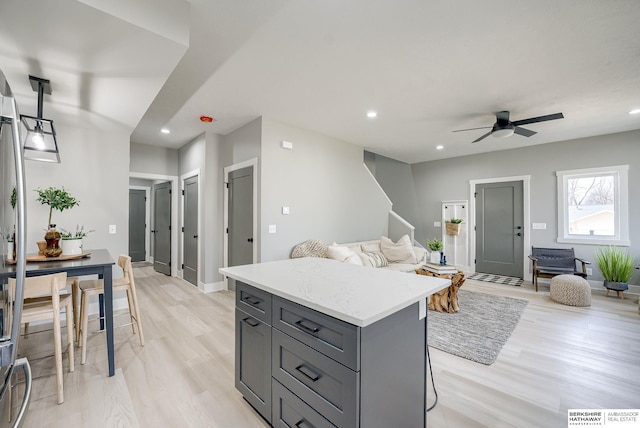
{"points": [[355, 294]]}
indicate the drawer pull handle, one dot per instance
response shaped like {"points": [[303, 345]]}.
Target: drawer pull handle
{"points": [[252, 300], [308, 328], [308, 372], [304, 424], [251, 322]]}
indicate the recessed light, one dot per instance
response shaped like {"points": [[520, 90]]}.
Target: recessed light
{"points": [[635, 111], [165, 131], [371, 114], [440, 147]]}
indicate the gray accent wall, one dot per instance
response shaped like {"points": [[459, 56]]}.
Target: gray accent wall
{"points": [[396, 179], [331, 195], [449, 179]]}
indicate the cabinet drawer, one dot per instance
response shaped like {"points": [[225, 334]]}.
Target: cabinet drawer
{"points": [[328, 387], [289, 411], [253, 301], [332, 337], [253, 362]]}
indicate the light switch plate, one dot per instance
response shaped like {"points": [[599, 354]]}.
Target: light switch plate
{"points": [[272, 228], [112, 228], [285, 210], [287, 145], [539, 226], [437, 224]]}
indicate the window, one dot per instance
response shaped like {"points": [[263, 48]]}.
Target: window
{"points": [[593, 206]]}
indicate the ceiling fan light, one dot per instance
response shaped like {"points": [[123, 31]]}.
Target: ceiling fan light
{"points": [[503, 132]]}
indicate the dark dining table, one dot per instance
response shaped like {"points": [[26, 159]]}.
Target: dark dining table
{"points": [[97, 262]]}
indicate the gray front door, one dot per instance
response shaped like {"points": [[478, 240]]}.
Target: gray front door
{"points": [[190, 236], [137, 225], [499, 228], [240, 215], [162, 228]]}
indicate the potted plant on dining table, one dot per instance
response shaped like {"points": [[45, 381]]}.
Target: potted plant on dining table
{"points": [[72, 243], [58, 199]]}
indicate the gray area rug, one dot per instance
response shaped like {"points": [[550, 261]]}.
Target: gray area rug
{"points": [[479, 330]]}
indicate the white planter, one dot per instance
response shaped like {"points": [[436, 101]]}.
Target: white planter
{"points": [[71, 247], [434, 257], [9, 250]]}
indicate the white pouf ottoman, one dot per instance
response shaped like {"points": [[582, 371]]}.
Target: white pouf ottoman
{"points": [[570, 290]]}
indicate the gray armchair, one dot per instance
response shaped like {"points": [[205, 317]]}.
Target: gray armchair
{"points": [[549, 262]]}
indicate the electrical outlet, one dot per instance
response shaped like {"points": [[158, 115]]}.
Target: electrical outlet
{"points": [[112, 228], [589, 271], [272, 228]]}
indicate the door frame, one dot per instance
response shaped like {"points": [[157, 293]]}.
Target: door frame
{"points": [[256, 236], [526, 211], [174, 210], [183, 178], [147, 219]]}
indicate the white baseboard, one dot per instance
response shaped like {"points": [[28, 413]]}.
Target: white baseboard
{"points": [[211, 287]]}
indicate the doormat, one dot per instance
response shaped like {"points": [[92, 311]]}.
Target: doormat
{"points": [[498, 279]]}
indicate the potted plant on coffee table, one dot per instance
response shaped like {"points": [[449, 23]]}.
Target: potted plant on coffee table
{"points": [[435, 247], [58, 199], [616, 266]]}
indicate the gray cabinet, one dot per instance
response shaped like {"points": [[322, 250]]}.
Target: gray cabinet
{"points": [[253, 350], [325, 372]]}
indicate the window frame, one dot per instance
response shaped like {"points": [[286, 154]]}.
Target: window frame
{"points": [[621, 206]]}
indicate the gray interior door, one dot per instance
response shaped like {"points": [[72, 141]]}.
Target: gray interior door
{"points": [[240, 215], [162, 228], [137, 225], [499, 228], [190, 236]]}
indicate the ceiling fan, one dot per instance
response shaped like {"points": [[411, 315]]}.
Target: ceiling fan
{"points": [[505, 128]]}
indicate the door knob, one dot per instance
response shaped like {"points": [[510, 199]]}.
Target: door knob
{"points": [[518, 234], [250, 240], [195, 236], [519, 227]]}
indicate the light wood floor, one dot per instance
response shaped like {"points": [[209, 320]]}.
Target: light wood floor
{"points": [[558, 358]]}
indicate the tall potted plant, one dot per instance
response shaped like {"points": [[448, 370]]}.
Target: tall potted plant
{"points": [[616, 266], [56, 199]]}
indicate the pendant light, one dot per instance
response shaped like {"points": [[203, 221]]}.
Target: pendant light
{"points": [[40, 141]]}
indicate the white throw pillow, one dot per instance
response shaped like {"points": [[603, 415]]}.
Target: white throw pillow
{"points": [[420, 254], [371, 246], [343, 254], [398, 252]]}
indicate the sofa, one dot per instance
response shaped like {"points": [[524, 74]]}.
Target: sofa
{"points": [[382, 253]]}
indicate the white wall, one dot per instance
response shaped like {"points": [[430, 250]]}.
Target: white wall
{"points": [[94, 169], [153, 160], [331, 195]]}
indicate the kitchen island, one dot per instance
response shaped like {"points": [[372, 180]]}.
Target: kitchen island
{"points": [[321, 343]]}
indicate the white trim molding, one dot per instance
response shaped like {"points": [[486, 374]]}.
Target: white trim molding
{"points": [[621, 206], [526, 211]]}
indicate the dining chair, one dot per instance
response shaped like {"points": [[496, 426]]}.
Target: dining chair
{"points": [[43, 301], [94, 287], [74, 282]]}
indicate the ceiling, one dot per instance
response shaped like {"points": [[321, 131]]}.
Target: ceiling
{"points": [[426, 67]]}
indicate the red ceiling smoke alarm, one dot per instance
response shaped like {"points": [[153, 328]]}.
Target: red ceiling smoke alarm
{"points": [[206, 119]]}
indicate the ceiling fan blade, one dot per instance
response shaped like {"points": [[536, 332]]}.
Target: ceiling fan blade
{"points": [[524, 132], [483, 137], [471, 129], [538, 119]]}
